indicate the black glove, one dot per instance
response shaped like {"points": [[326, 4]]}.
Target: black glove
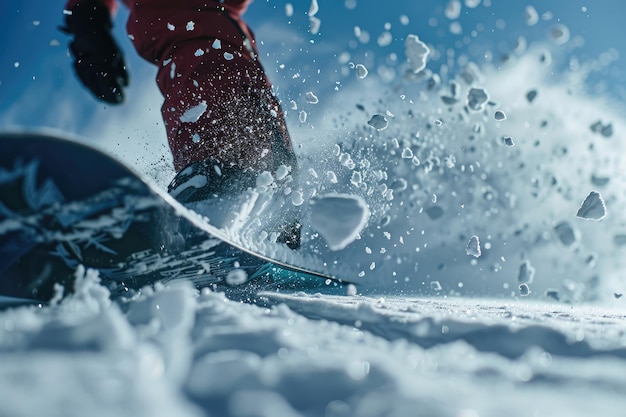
{"points": [[98, 60]]}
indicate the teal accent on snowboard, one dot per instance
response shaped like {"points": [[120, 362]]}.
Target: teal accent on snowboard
{"points": [[64, 204]]}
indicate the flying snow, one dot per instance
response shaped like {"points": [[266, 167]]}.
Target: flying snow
{"points": [[339, 218]]}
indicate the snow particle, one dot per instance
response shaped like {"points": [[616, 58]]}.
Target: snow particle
{"points": [[559, 34], [524, 290], [499, 115], [217, 44], [477, 98], [453, 9], [171, 26], [190, 26], [416, 53], [339, 218], [593, 208], [378, 122], [435, 286], [302, 116], [526, 274], [351, 290], [361, 71], [566, 234], [193, 114], [473, 247], [311, 98], [228, 56], [508, 141], [531, 17], [199, 52]]}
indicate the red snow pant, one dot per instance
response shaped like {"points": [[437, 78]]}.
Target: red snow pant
{"points": [[218, 101]]}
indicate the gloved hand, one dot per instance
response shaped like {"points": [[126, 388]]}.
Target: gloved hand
{"points": [[98, 60]]}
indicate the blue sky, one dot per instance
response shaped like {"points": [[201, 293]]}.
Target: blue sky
{"points": [[38, 88]]}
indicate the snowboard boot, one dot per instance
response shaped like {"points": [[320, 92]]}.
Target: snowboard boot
{"points": [[227, 196]]}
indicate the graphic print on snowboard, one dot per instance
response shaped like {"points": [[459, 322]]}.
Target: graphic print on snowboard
{"points": [[63, 204]]}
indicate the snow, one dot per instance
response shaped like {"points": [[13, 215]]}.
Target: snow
{"points": [[339, 218], [175, 351], [483, 284]]}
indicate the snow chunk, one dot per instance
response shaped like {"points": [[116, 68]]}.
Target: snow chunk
{"points": [[190, 26], [559, 34], [217, 44], [311, 98], [566, 234], [453, 9], [171, 26], [194, 113], [526, 274], [339, 218], [477, 98], [524, 290], [473, 247], [228, 56], [361, 71], [378, 122], [531, 16], [593, 208], [416, 53], [508, 141]]}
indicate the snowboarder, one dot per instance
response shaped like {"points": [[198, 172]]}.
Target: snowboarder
{"points": [[221, 118]]}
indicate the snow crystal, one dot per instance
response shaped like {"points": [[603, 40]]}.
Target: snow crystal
{"points": [[416, 53], [473, 247], [378, 122], [194, 113], [499, 115], [407, 153], [526, 273], [302, 116], [593, 207], [339, 218], [217, 44], [199, 52], [190, 26], [195, 138], [311, 98], [170, 26], [477, 98], [361, 71], [282, 172], [435, 286], [297, 198], [228, 56]]}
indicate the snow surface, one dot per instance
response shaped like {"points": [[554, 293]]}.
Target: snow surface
{"points": [[177, 351], [533, 325]]}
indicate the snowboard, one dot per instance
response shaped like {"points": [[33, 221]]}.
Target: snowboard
{"points": [[64, 204]]}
